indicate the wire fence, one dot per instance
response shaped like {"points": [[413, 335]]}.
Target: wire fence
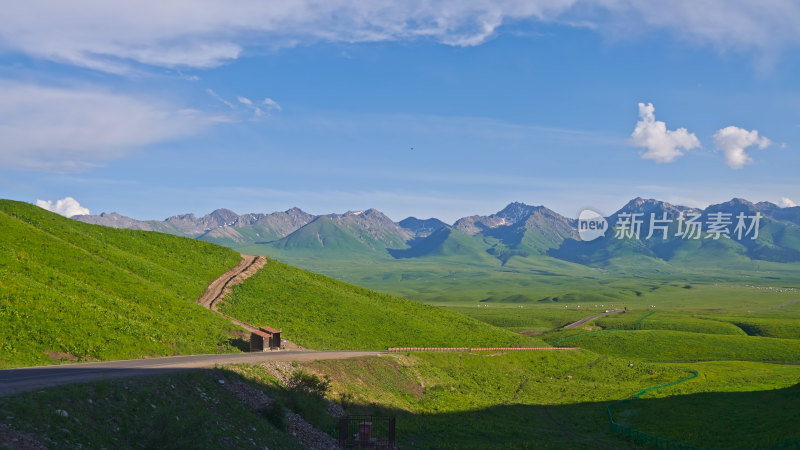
{"points": [[366, 432], [478, 349]]}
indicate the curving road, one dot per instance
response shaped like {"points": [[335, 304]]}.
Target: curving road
{"points": [[13, 381], [596, 316], [29, 378]]}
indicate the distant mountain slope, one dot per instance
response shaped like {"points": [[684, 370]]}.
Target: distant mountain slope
{"points": [[373, 228], [448, 243], [74, 291], [264, 227], [533, 230], [323, 234], [115, 220], [510, 215], [258, 228], [518, 231], [778, 239], [422, 228]]}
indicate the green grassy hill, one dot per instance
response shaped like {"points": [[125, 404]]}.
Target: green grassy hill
{"points": [[168, 411], [323, 235], [320, 312], [557, 400], [666, 345], [449, 243], [72, 291]]}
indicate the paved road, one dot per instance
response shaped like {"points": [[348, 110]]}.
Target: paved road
{"points": [[583, 321], [26, 379]]}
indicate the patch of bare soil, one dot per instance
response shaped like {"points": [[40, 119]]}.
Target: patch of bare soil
{"points": [[13, 439], [282, 370], [530, 332], [791, 302], [61, 356]]}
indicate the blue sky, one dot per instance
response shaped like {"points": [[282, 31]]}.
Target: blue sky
{"points": [[158, 108]]}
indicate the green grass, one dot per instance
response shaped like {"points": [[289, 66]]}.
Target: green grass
{"points": [[664, 345], [549, 400], [488, 399], [179, 410], [674, 321], [524, 317], [322, 313], [85, 292], [464, 400], [768, 327], [753, 405]]}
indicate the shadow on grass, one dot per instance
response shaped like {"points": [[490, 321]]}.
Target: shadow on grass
{"points": [[720, 419], [141, 405], [239, 343]]}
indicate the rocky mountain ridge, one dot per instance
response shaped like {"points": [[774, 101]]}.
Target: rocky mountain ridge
{"points": [[518, 229]]}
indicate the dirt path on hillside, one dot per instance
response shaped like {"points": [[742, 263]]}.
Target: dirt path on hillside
{"points": [[791, 302], [219, 288], [596, 316]]}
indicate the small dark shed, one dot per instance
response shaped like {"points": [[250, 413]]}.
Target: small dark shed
{"points": [[265, 338]]}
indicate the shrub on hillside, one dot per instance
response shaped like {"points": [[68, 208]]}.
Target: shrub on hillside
{"points": [[309, 383]]}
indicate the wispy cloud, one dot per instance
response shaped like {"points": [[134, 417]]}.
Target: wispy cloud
{"points": [[763, 28], [213, 93], [76, 128], [116, 36], [734, 142], [786, 202], [271, 104], [663, 145], [257, 111]]}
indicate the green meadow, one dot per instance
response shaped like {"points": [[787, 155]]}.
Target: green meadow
{"points": [[114, 294], [558, 400], [76, 292]]}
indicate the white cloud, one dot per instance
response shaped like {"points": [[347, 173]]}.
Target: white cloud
{"points": [[76, 128], [213, 93], [111, 36], [271, 104], [734, 141], [67, 207], [250, 105], [256, 109], [786, 202], [114, 36], [662, 145], [763, 27]]}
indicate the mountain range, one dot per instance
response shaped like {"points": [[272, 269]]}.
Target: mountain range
{"points": [[517, 231]]}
